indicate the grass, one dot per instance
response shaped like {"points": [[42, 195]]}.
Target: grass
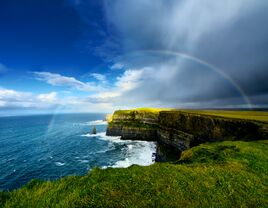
{"points": [[261, 116], [152, 111], [223, 174]]}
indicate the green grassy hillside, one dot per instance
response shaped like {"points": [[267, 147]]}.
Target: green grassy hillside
{"points": [[223, 174]]}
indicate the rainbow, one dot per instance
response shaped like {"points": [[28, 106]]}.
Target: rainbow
{"points": [[204, 63]]}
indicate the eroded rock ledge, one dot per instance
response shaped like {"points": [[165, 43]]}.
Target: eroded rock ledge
{"points": [[181, 129]]}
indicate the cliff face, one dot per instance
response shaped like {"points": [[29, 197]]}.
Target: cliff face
{"points": [[182, 130], [131, 133], [133, 125], [186, 129]]}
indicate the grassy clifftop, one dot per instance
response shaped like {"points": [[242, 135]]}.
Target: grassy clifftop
{"points": [[260, 116], [222, 174], [182, 129]]}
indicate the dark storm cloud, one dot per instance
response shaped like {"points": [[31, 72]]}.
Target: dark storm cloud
{"points": [[231, 35]]}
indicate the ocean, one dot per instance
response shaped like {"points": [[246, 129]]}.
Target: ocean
{"points": [[48, 147]]}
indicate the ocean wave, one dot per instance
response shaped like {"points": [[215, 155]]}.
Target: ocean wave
{"points": [[115, 139], [141, 153], [100, 134], [83, 161], [138, 152], [59, 163], [90, 135], [103, 136]]}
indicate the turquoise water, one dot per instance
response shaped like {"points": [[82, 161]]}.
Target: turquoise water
{"points": [[52, 146]]}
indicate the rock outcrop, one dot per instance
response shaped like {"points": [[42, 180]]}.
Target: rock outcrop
{"points": [[181, 130]]}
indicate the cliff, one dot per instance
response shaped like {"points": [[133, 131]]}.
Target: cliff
{"points": [[184, 129]]}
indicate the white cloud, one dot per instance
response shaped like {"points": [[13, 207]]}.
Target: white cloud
{"points": [[13, 95], [12, 99], [101, 93], [50, 97], [104, 96], [129, 80], [117, 66], [64, 81], [16, 99], [99, 77], [59, 80]]}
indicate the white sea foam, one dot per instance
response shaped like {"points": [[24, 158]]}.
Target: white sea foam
{"points": [[83, 161], [114, 139], [140, 153], [89, 135], [59, 163], [102, 136]]}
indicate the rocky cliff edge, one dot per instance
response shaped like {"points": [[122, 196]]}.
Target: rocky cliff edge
{"points": [[184, 129]]}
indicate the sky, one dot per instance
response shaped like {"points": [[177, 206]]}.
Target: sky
{"points": [[98, 56]]}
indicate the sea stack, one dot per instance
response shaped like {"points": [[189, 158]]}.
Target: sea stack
{"points": [[94, 130]]}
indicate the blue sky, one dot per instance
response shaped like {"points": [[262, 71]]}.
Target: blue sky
{"points": [[98, 56]]}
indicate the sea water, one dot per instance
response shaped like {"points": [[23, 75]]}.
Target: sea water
{"points": [[48, 147]]}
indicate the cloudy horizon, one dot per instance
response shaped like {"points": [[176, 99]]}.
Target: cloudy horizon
{"points": [[99, 56]]}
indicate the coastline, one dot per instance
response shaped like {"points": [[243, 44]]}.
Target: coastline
{"points": [[209, 174]]}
